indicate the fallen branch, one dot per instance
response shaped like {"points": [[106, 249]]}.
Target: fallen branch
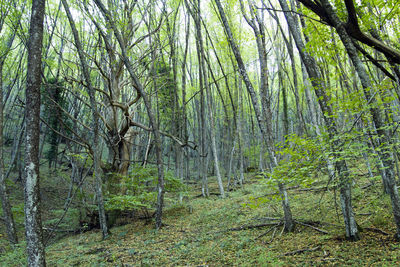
{"points": [[210, 194], [365, 214], [376, 230], [326, 223], [62, 230], [263, 234], [272, 228], [315, 189], [300, 251], [247, 227], [273, 235], [271, 219], [313, 227], [297, 189]]}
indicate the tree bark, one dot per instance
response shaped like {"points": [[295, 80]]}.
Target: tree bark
{"points": [[33, 220]]}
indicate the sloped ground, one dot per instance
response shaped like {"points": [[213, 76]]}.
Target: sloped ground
{"points": [[217, 232]]}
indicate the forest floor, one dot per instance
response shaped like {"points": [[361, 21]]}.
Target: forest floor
{"points": [[239, 230]]}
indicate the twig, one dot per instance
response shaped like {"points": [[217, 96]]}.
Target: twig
{"points": [[365, 214], [263, 234], [366, 186], [211, 194], [300, 251], [270, 219], [283, 229]]}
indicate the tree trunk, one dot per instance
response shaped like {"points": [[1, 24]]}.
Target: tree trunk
{"points": [[289, 223], [383, 140], [265, 127], [323, 100], [5, 201], [201, 56], [33, 220], [93, 104], [146, 100]]}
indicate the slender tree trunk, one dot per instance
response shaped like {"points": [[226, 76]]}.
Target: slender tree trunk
{"points": [[147, 152], [264, 127], [201, 56], [323, 100], [202, 127], [289, 223], [383, 139], [264, 117], [33, 220], [5, 201], [93, 104]]}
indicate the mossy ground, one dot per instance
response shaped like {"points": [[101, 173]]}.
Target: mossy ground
{"points": [[198, 233]]}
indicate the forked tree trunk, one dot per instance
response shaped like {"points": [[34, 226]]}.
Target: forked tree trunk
{"points": [[146, 100]]}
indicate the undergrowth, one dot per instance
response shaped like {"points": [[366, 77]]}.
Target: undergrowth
{"points": [[204, 232]]}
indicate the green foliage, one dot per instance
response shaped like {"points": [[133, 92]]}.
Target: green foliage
{"points": [[53, 102], [140, 189], [15, 256], [167, 95], [300, 161], [129, 202], [70, 221]]}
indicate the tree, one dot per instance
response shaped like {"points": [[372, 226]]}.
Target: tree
{"points": [[323, 100], [195, 12], [33, 221], [383, 140], [4, 196], [142, 93], [263, 118], [96, 145]]}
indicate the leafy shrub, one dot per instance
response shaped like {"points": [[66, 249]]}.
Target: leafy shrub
{"points": [[140, 186], [70, 220], [300, 161]]}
